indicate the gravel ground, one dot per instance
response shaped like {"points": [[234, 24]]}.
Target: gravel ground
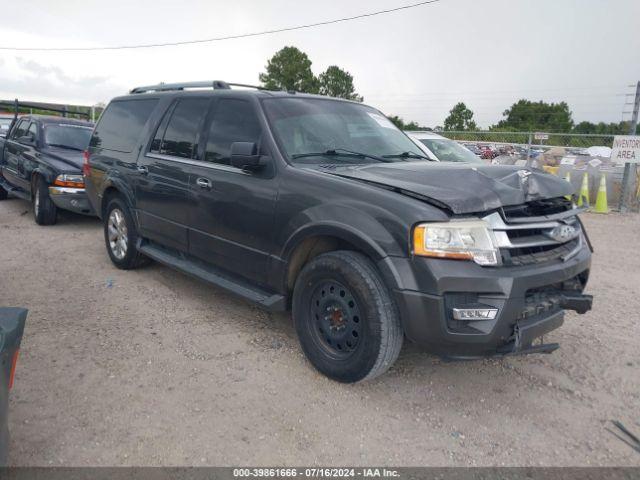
{"points": [[150, 367]]}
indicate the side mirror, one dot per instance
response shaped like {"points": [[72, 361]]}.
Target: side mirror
{"points": [[26, 140], [244, 155]]}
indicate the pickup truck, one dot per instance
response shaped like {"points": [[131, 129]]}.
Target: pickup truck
{"points": [[323, 207], [11, 328], [41, 162]]}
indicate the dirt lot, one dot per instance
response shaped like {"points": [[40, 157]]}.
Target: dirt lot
{"points": [[150, 367]]}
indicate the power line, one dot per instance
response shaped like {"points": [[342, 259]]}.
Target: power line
{"points": [[229, 37]]}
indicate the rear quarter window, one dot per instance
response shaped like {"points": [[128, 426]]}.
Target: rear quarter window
{"points": [[121, 124]]}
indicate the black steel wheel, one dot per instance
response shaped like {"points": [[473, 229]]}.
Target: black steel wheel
{"points": [[346, 320], [337, 317]]}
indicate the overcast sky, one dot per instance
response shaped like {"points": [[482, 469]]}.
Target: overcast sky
{"points": [[414, 63]]}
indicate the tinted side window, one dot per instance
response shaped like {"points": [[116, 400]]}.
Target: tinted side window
{"points": [[233, 121], [21, 129], [33, 131], [182, 130], [156, 143], [121, 124]]}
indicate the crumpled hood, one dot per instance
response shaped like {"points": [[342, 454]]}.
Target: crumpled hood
{"points": [[70, 158], [463, 188]]}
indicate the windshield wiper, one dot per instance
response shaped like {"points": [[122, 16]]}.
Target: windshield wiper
{"points": [[340, 152], [407, 155], [68, 147]]}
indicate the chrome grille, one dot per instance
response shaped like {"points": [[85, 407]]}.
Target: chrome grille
{"points": [[542, 239]]}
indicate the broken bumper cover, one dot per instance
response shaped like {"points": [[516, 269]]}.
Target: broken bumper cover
{"points": [[530, 301], [72, 199]]}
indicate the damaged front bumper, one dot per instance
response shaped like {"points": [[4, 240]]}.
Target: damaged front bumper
{"points": [[526, 332], [530, 302]]}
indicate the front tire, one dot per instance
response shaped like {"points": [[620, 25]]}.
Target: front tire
{"points": [[44, 210], [346, 320], [121, 237]]}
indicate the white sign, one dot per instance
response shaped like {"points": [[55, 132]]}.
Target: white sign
{"points": [[568, 160], [541, 136], [626, 149]]}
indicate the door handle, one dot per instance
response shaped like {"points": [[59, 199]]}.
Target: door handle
{"points": [[143, 169], [204, 183]]}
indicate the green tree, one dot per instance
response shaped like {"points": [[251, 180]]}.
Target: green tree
{"points": [[402, 125], [602, 128], [336, 82], [397, 121], [290, 69], [460, 118], [526, 115]]}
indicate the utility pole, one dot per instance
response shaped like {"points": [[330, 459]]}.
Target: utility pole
{"points": [[628, 173]]}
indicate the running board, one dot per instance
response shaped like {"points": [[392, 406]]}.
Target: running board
{"points": [[15, 191], [202, 271]]}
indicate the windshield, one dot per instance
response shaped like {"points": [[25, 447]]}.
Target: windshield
{"points": [[318, 131], [74, 137], [449, 151]]}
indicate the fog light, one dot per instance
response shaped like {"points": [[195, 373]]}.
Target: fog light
{"points": [[475, 313]]}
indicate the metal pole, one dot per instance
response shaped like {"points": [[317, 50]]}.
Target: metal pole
{"points": [[529, 149], [628, 174]]}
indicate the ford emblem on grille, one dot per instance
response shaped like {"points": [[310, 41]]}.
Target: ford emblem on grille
{"points": [[562, 233]]}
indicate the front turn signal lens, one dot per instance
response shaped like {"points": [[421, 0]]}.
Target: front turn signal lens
{"points": [[71, 181], [461, 240]]}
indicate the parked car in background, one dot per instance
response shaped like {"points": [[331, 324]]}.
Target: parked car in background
{"points": [[11, 328], [324, 207], [5, 123], [487, 153], [473, 149], [42, 163], [442, 149]]}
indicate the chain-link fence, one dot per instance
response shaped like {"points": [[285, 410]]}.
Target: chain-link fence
{"points": [[534, 139]]}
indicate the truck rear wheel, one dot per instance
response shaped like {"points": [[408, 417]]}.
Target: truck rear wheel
{"points": [[44, 210], [3, 193], [346, 320]]}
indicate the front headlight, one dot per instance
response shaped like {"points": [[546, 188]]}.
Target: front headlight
{"points": [[467, 240], [66, 180]]}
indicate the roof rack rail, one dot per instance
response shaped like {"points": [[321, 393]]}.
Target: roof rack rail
{"points": [[172, 87]]}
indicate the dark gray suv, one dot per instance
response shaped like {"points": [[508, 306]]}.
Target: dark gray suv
{"points": [[323, 207]]}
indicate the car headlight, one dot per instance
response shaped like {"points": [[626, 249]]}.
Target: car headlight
{"points": [[465, 240], [73, 181]]}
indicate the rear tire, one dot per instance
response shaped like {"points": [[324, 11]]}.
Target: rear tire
{"points": [[3, 193], [44, 210], [121, 237], [346, 320]]}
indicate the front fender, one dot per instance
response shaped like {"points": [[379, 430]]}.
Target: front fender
{"points": [[43, 172], [366, 227], [360, 225]]}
